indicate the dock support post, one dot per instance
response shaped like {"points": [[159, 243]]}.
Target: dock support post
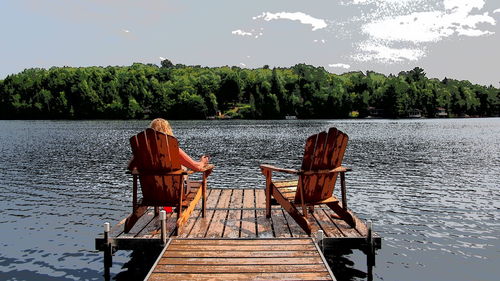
{"points": [[319, 239], [163, 218], [370, 251], [108, 253]]}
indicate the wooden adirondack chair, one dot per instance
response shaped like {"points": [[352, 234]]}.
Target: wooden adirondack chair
{"points": [[321, 165], [157, 165]]}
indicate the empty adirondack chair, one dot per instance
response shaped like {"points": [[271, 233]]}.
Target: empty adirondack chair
{"points": [[157, 166], [321, 165]]}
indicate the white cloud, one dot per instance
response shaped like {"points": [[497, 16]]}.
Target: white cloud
{"points": [[251, 33], [371, 51], [241, 32], [242, 64], [432, 26], [375, 1], [319, 41], [126, 30], [415, 24], [299, 16], [339, 65], [496, 11], [463, 4], [162, 58]]}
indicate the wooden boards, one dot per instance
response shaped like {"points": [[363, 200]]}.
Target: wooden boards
{"points": [[235, 213], [241, 259]]}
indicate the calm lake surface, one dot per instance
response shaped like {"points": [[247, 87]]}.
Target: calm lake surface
{"points": [[431, 188]]}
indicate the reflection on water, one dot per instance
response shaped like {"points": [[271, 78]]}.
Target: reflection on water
{"points": [[430, 187], [138, 266], [343, 266]]}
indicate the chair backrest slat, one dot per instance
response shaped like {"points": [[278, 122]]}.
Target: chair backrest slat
{"points": [[322, 151], [163, 152], [329, 148], [319, 151], [173, 152], [341, 145], [309, 152], [144, 154], [153, 149]]}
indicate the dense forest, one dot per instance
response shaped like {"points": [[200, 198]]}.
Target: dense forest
{"points": [[195, 92]]}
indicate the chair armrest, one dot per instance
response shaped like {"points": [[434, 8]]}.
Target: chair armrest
{"points": [[316, 172], [158, 172], [276, 169]]}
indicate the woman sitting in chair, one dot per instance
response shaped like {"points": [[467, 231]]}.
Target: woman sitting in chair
{"points": [[162, 125]]}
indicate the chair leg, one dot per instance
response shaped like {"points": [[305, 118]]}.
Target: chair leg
{"points": [[204, 201], [204, 194], [179, 216], [343, 214], [292, 210], [301, 192], [269, 186], [268, 204], [134, 217]]}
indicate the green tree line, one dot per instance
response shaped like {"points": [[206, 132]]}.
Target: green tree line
{"points": [[194, 92]]}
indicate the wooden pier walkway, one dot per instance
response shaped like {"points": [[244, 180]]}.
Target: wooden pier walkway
{"points": [[236, 213], [237, 216], [241, 259]]}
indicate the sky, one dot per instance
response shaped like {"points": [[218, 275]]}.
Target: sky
{"points": [[457, 39]]}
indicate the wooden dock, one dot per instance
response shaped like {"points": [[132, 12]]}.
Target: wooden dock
{"points": [[239, 214], [241, 259]]}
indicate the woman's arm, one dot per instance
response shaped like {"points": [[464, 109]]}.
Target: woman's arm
{"points": [[190, 163]]}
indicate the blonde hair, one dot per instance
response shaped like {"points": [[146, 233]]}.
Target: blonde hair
{"points": [[161, 125]]}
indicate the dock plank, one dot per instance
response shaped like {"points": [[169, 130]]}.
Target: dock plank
{"points": [[216, 228], [241, 254], [330, 229], [154, 227], [247, 260], [233, 221], [141, 223], [235, 276], [280, 224], [284, 247], [264, 225], [295, 229], [260, 198], [117, 229], [268, 241], [248, 220], [202, 224], [344, 227], [236, 268], [186, 229]]}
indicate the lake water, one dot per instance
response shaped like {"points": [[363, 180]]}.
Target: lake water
{"points": [[431, 188]]}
